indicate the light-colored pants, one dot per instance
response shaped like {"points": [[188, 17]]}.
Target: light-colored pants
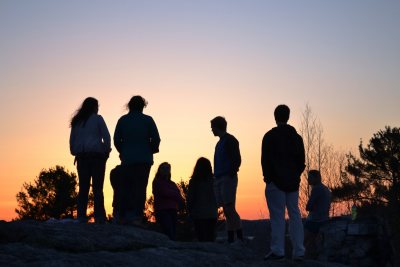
{"points": [[277, 201]]}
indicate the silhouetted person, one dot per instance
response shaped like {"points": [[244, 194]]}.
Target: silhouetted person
{"points": [[318, 206], [117, 183], [167, 199], [227, 161], [201, 201], [282, 164], [136, 138], [90, 143]]}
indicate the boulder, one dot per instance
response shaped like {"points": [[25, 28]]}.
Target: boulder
{"points": [[31, 243]]}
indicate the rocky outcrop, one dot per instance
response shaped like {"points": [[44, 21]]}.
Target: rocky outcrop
{"points": [[360, 243], [72, 244]]}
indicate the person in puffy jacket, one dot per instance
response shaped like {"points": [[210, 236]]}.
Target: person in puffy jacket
{"points": [[90, 143]]}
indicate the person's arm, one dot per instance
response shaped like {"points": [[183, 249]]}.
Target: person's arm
{"points": [[154, 137], [105, 135], [190, 196], [313, 200], [302, 156], [72, 140], [117, 136], [232, 147], [266, 158], [177, 194]]}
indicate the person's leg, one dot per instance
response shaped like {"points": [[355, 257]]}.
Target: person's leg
{"points": [[276, 206], [174, 221], [310, 235], [167, 222], [205, 230], [218, 192], [296, 231], [119, 194], [233, 220], [198, 223], [116, 180], [209, 229], [161, 220], [84, 175], [98, 170], [127, 193], [142, 178]]}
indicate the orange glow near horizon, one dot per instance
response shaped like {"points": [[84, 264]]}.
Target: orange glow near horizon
{"points": [[192, 62]]}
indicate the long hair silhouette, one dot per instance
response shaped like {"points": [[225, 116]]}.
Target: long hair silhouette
{"points": [[202, 169], [89, 106]]}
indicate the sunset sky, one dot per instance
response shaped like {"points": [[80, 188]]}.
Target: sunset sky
{"points": [[192, 61]]}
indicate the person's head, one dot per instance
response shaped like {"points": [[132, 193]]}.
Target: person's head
{"points": [[281, 114], [202, 169], [218, 125], [89, 106], [137, 103], [314, 177], [164, 171]]}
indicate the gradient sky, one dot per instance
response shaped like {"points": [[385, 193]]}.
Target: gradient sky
{"points": [[192, 61]]}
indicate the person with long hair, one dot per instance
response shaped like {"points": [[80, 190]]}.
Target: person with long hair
{"points": [[167, 199], [136, 138], [90, 143], [201, 201]]}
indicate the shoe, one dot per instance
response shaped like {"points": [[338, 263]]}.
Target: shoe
{"points": [[298, 258], [274, 257]]}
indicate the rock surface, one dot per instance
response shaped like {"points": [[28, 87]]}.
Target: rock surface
{"points": [[72, 244]]}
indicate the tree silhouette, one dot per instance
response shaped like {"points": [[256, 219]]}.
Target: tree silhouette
{"points": [[183, 212], [52, 195], [149, 212], [374, 178], [319, 155]]}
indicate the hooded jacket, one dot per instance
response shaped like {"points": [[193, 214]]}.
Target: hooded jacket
{"points": [[283, 157]]}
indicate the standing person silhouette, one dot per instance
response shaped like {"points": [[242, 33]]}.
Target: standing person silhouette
{"points": [[167, 200], [227, 161], [201, 202], [282, 163], [136, 138], [90, 143]]}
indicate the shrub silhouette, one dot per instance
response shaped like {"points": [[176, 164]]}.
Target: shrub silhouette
{"points": [[374, 178], [52, 195]]}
